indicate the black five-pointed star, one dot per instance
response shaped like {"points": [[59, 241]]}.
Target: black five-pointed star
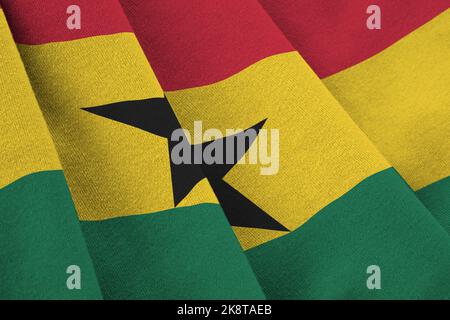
{"points": [[157, 117]]}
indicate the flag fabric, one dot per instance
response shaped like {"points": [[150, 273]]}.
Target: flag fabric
{"points": [[40, 235], [119, 176], [358, 139], [393, 82], [332, 182]]}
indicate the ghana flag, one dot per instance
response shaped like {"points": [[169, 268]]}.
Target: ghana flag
{"points": [[120, 176], [40, 237], [393, 81], [93, 109], [342, 204]]}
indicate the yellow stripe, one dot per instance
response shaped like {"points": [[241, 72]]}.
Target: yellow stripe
{"points": [[323, 154], [25, 142], [401, 99], [112, 169], [90, 71], [250, 237]]}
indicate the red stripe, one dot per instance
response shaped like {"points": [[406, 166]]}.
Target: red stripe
{"points": [[38, 22], [194, 43], [332, 35]]}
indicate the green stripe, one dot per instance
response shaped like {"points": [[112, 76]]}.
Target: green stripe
{"points": [[436, 197], [379, 222], [40, 237], [183, 253]]}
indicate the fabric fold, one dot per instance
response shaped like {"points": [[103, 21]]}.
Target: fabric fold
{"points": [[40, 236], [144, 245], [333, 187]]}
